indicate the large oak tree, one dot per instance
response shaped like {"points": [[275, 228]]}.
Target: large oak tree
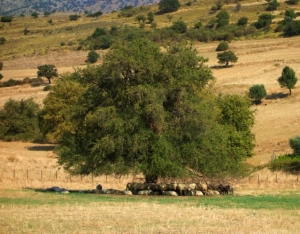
{"points": [[152, 112]]}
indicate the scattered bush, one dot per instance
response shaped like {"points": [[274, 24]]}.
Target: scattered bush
{"points": [[74, 17], [2, 40], [257, 93], [222, 46], [6, 19], [92, 57]]}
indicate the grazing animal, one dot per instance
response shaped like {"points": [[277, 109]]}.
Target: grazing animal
{"points": [[170, 193], [99, 187]]}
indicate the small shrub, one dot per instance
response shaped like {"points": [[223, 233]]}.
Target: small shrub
{"points": [[6, 19], [257, 92], [47, 88], [26, 80], [2, 40], [222, 46], [93, 56], [62, 44]]}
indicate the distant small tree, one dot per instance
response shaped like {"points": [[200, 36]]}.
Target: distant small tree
{"points": [[264, 20], [257, 93], [198, 25], [35, 15], [179, 26], [287, 79], [153, 25], [243, 21], [222, 18], [140, 18], [223, 45], [2, 40], [47, 13], [166, 6], [272, 5], [19, 120], [289, 16], [226, 57], [48, 70], [150, 17], [74, 17], [6, 19], [294, 2], [295, 145], [93, 56]]}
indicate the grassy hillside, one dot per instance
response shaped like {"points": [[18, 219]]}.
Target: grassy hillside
{"points": [[46, 34]]}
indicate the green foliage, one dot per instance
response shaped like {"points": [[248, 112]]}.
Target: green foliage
{"points": [[257, 92], [96, 14], [140, 18], [93, 56], [272, 5], [226, 57], [237, 116], [74, 17], [6, 19], [243, 21], [286, 163], [264, 21], [59, 106], [35, 15], [19, 120], [27, 80], [2, 40], [48, 70], [292, 28], [179, 26], [99, 32], [223, 45], [293, 2], [150, 17], [295, 145], [198, 25], [222, 18], [287, 79], [166, 6], [143, 110]]}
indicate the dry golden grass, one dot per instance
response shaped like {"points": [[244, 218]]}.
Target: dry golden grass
{"points": [[143, 218]]}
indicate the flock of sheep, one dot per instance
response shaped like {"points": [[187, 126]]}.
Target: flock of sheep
{"points": [[170, 189], [167, 189]]}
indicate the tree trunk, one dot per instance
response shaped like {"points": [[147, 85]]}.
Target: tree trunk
{"points": [[49, 79], [290, 91]]}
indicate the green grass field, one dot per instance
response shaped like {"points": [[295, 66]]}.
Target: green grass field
{"points": [[29, 211]]}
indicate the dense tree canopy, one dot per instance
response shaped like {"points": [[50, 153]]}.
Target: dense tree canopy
{"points": [[146, 111]]}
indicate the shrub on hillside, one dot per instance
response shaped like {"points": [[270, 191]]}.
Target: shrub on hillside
{"points": [[19, 120], [223, 45], [6, 19]]}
